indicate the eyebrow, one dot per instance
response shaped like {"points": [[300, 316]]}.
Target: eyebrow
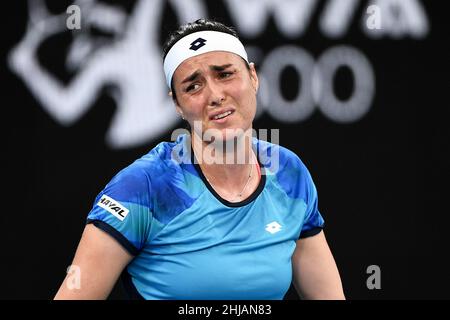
{"points": [[220, 68], [192, 77], [195, 75]]}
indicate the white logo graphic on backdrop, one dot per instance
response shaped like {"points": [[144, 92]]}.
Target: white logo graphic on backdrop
{"points": [[398, 19], [293, 17], [132, 64]]}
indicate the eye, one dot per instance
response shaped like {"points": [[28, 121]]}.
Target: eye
{"points": [[225, 74], [192, 87]]}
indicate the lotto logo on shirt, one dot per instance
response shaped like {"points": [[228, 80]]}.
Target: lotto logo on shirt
{"points": [[273, 227], [113, 207]]}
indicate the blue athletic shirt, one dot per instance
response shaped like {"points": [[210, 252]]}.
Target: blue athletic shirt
{"points": [[189, 243]]}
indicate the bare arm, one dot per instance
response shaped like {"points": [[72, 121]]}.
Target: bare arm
{"points": [[315, 272], [100, 259]]}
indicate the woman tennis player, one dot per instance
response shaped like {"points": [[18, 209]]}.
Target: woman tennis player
{"points": [[216, 214]]}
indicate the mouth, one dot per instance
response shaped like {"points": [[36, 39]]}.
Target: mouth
{"points": [[221, 117]]}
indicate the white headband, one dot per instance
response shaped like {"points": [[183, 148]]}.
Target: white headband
{"points": [[197, 43]]}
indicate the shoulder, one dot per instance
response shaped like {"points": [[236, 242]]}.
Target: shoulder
{"points": [[279, 159], [288, 169], [138, 177]]}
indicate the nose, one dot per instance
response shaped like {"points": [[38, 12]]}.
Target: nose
{"points": [[216, 94]]}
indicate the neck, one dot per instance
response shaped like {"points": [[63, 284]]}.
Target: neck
{"points": [[226, 163]]}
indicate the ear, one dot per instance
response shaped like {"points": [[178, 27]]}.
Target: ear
{"points": [[179, 110], [177, 106], [254, 77]]}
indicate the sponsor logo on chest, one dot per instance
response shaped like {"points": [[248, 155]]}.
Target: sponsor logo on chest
{"points": [[273, 227]]}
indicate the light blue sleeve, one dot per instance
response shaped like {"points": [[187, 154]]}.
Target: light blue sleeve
{"points": [[123, 209]]}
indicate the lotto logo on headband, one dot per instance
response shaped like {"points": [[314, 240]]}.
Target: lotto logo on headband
{"points": [[188, 47], [197, 44]]}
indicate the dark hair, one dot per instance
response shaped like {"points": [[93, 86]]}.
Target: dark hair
{"points": [[191, 27]]}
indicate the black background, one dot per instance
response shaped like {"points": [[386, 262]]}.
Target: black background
{"points": [[381, 180]]}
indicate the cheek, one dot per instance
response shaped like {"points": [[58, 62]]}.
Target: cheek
{"points": [[247, 100], [192, 108]]}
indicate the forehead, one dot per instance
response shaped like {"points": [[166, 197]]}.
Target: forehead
{"points": [[204, 61]]}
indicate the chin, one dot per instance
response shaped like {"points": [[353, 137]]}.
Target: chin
{"points": [[229, 134]]}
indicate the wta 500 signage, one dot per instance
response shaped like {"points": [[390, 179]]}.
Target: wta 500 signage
{"points": [[131, 61]]}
